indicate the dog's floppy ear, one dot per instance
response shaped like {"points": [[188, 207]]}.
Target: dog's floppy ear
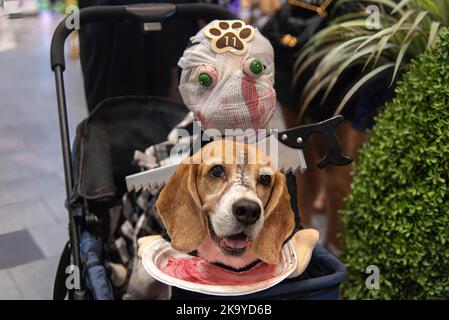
{"points": [[180, 209], [279, 223]]}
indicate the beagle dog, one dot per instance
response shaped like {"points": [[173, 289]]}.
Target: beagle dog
{"points": [[228, 205]]}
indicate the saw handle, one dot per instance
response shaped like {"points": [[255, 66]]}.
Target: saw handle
{"points": [[326, 128]]}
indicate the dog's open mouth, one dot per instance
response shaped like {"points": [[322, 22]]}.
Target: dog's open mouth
{"points": [[234, 245]]}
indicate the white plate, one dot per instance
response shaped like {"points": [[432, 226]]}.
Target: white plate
{"points": [[161, 251]]}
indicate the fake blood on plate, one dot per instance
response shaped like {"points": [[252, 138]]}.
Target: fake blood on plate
{"points": [[197, 270]]}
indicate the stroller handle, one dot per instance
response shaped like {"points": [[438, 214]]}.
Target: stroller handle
{"points": [[135, 13]]}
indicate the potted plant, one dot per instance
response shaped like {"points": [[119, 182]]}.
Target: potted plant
{"points": [[397, 220], [396, 217]]}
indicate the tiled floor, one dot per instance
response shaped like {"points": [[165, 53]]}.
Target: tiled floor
{"points": [[33, 221]]}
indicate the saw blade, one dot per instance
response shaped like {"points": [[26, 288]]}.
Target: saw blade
{"points": [[283, 158], [151, 179]]}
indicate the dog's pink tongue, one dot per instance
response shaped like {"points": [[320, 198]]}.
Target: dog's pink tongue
{"points": [[233, 243]]}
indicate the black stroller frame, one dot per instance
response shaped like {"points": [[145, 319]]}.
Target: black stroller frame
{"points": [[324, 274]]}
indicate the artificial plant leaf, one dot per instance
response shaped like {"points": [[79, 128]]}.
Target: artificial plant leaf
{"points": [[400, 5], [378, 51], [342, 67], [429, 5], [359, 84], [399, 58], [417, 20], [391, 30], [387, 3], [307, 63], [434, 27]]}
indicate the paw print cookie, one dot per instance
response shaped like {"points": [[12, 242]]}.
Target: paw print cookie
{"points": [[230, 35]]}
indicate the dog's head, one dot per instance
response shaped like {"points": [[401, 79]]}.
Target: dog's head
{"points": [[229, 204]]}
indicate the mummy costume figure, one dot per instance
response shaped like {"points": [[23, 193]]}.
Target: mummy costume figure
{"points": [[227, 77]]}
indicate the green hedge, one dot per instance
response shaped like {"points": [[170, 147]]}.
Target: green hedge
{"points": [[397, 215]]}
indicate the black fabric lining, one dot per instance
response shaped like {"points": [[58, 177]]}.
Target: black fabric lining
{"points": [[194, 253], [249, 266]]}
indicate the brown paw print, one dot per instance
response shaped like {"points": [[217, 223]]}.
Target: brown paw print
{"points": [[230, 35]]}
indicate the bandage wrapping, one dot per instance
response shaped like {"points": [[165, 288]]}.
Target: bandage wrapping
{"points": [[234, 98]]}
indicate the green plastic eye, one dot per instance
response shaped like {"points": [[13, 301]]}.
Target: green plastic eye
{"points": [[205, 80], [256, 66]]}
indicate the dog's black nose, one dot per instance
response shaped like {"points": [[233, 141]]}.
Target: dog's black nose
{"points": [[246, 212]]}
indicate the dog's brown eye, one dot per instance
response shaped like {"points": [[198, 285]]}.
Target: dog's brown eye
{"points": [[265, 179], [217, 172]]}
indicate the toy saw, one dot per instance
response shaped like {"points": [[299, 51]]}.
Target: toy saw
{"points": [[288, 158]]}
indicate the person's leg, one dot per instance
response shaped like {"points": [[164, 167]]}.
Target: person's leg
{"points": [[308, 183], [355, 139], [338, 181], [318, 204], [289, 115]]}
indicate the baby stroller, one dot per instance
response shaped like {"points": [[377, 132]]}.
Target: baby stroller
{"points": [[102, 157]]}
